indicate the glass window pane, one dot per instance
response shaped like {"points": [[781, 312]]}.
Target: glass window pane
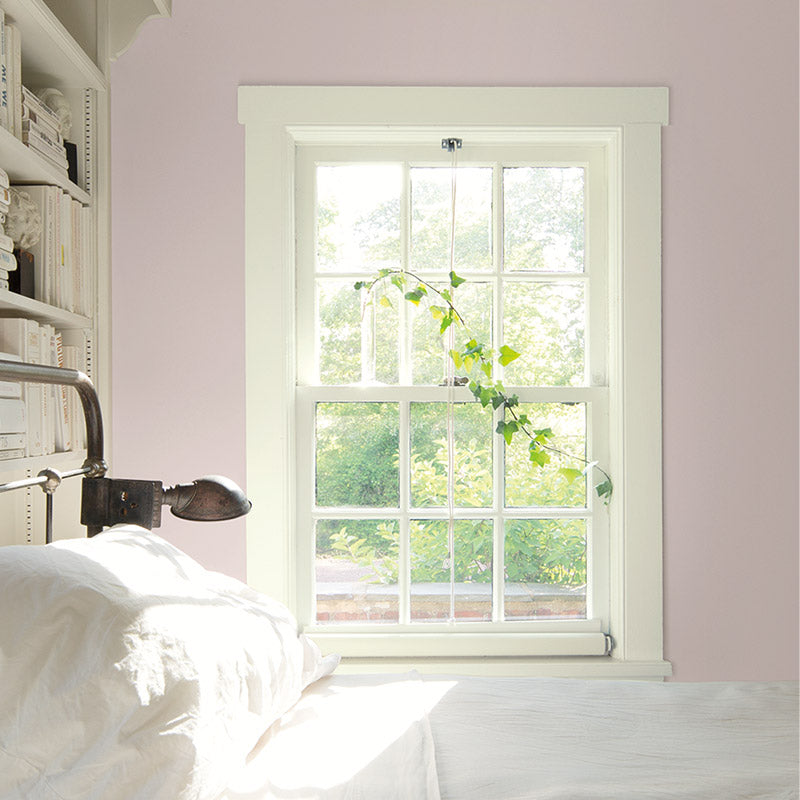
{"points": [[529, 484], [473, 439], [544, 218], [355, 343], [431, 574], [338, 332], [431, 211], [356, 571], [429, 348], [545, 323], [545, 568], [358, 217], [357, 454]]}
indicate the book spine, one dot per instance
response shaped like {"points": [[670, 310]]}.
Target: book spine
{"points": [[13, 441], [63, 433], [33, 136], [14, 52], [33, 103], [12, 416], [6, 243], [3, 72], [7, 455]]}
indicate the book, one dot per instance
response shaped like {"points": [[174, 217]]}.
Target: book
{"points": [[14, 73], [46, 152], [3, 275], [3, 72], [35, 104], [64, 295], [21, 279], [12, 441], [10, 388], [4, 283], [7, 455], [13, 416], [63, 427], [31, 126], [8, 261], [5, 181], [6, 243], [31, 132]]}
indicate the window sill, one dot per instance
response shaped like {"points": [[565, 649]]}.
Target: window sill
{"points": [[586, 667]]}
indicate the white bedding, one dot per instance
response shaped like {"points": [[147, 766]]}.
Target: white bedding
{"points": [[129, 672], [407, 738]]}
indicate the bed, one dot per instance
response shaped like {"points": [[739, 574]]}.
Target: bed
{"points": [[131, 672]]}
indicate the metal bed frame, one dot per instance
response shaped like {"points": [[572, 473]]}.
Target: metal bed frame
{"points": [[106, 501]]}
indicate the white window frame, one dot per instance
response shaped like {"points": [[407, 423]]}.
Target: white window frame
{"points": [[628, 121]]}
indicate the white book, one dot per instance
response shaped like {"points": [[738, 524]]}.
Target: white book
{"points": [[4, 179], [65, 237], [3, 72], [49, 407], [14, 74], [10, 388], [13, 441], [12, 415], [21, 337], [63, 432], [7, 455], [44, 197]]}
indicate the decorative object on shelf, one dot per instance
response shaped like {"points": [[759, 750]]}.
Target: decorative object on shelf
{"points": [[55, 101], [23, 221]]}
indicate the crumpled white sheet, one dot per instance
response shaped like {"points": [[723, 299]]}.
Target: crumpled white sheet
{"points": [[561, 739], [350, 737]]}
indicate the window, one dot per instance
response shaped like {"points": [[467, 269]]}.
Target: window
{"points": [[361, 450]]}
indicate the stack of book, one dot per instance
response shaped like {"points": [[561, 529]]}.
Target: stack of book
{"points": [[13, 417], [8, 261], [41, 130], [49, 416]]}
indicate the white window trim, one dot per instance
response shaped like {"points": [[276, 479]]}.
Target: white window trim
{"points": [[278, 118]]}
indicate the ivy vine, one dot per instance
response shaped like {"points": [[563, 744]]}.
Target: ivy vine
{"points": [[474, 366]]}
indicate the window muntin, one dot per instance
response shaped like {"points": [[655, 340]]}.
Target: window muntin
{"points": [[399, 560]]}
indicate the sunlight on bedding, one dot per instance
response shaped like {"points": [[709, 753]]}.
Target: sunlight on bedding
{"points": [[344, 738]]}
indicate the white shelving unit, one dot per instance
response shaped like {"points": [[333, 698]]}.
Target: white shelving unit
{"points": [[67, 45]]}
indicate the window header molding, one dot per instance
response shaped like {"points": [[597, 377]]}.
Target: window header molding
{"points": [[514, 108]]}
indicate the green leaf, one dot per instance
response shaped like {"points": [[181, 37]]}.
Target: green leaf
{"points": [[385, 301], [455, 280], [456, 356], [398, 280], [445, 293], [538, 457], [507, 355], [413, 297], [445, 323], [486, 396], [498, 401], [604, 490], [360, 285], [571, 474], [507, 429], [437, 312]]}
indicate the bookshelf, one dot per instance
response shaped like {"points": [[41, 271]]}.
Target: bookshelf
{"points": [[68, 45]]}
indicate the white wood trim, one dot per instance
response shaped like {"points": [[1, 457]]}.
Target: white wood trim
{"points": [[50, 56], [600, 667]]}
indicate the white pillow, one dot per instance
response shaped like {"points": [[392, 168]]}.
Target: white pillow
{"points": [[130, 671]]}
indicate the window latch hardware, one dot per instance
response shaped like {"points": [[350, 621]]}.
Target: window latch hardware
{"points": [[452, 144]]}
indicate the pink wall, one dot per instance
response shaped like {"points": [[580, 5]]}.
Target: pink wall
{"points": [[730, 277]]}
